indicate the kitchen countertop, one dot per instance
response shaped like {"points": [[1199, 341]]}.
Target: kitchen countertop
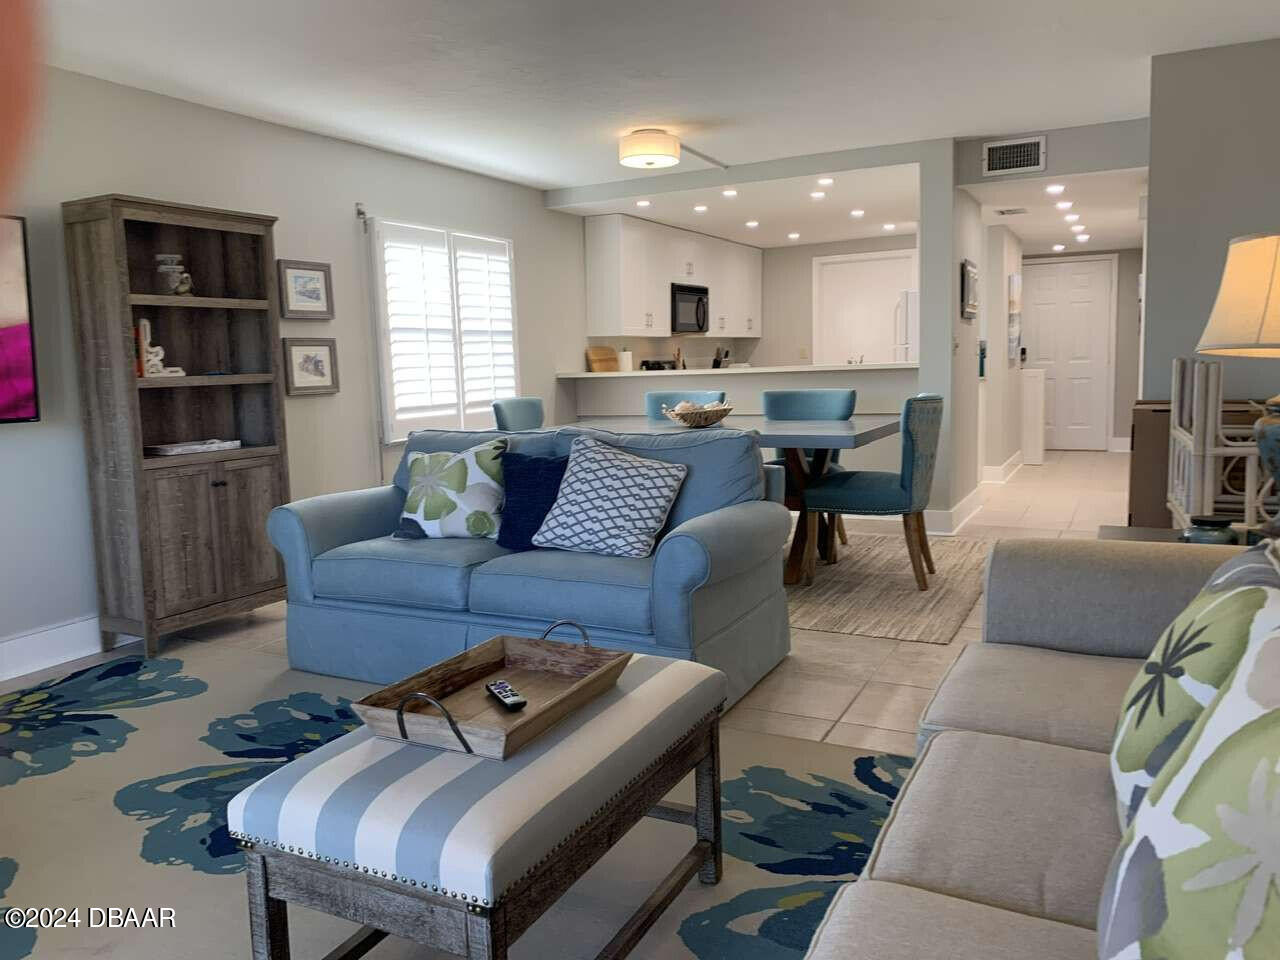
{"points": [[793, 368]]}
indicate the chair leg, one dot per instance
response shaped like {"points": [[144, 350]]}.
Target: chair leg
{"points": [[844, 537], [913, 548], [924, 543], [832, 553]]}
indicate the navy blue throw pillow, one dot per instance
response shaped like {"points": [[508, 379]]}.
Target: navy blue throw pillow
{"points": [[531, 484]]}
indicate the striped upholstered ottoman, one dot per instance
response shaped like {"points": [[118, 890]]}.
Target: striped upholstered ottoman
{"points": [[463, 854]]}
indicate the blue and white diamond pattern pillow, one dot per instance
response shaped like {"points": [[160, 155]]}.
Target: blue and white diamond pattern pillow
{"points": [[611, 502]]}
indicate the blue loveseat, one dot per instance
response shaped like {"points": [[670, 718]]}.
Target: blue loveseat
{"points": [[370, 607]]}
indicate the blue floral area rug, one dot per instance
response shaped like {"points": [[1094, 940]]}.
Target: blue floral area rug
{"points": [[114, 782]]}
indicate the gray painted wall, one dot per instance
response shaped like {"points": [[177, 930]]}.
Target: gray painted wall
{"points": [[1120, 145], [1215, 141], [787, 295], [1003, 424], [97, 137]]}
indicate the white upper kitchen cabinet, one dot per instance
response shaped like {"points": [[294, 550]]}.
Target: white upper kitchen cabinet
{"points": [[632, 263]]}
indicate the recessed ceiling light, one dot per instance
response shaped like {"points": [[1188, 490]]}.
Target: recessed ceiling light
{"points": [[1059, 247], [793, 236], [1064, 204], [825, 181], [752, 224], [891, 226], [1054, 189], [700, 208], [728, 193], [1082, 238], [1077, 228], [642, 203], [856, 214], [1071, 217], [817, 195]]}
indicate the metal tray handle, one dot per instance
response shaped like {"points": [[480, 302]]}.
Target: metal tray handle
{"points": [[586, 641], [404, 734]]}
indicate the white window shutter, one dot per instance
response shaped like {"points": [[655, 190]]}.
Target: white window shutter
{"points": [[446, 327]]}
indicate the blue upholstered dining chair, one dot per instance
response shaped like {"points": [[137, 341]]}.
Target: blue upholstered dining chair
{"points": [[905, 492], [518, 413], [654, 400]]}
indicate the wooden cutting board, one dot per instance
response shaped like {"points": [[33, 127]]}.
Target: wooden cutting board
{"points": [[602, 360]]}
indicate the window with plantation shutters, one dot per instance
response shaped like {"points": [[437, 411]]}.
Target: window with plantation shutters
{"points": [[446, 327]]}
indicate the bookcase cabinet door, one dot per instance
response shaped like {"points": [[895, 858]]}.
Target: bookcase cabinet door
{"points": [[186, 562], [252, 489]]}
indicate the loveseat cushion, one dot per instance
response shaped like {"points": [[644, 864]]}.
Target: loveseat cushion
{"points": [[612, 592], [872, 920], [420, 573], [1014, 824], [1065, 698]]}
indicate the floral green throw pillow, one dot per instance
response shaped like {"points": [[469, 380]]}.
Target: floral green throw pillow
{"points": [[1190, 662], [1197, 876], [455, 494]]}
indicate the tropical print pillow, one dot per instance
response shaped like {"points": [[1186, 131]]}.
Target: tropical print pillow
{"points": [[1190, 662], [455, 494], [1197, 876]]}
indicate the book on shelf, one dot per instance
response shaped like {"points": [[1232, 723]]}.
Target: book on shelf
{"points": [[193, 446]]}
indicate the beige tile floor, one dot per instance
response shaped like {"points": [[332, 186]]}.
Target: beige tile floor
{"points": [[869, 692], [864, 692]]}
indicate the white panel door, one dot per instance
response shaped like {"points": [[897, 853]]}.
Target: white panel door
{"points": [[857, 306], [1066, 325]]}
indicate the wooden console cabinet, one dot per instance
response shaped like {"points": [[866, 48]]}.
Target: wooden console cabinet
{"points": [[179, 540]]}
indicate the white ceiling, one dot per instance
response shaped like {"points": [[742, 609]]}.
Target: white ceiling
{"points": [[885, 194], [1106, 202], [538, 92]]}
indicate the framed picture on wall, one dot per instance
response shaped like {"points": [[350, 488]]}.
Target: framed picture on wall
{"points": [[310, 366], [306, 290], [1015, 315], [19, 396], [968, 290]]}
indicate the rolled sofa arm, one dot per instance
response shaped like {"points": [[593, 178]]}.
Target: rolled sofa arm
{"points": [[1103, 597], [707, 550], [304, 529]]}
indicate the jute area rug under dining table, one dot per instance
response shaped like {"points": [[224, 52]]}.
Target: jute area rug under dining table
{"points": [[872, 592]]}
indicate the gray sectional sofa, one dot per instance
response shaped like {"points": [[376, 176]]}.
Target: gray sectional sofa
{"points": [[998, 844]]}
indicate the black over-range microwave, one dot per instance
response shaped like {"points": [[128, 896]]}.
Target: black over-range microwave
{"points": [[690, 308]]}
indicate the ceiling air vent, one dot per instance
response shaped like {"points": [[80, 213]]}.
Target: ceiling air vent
{"points": [[1010, 211], [1013, 156]]}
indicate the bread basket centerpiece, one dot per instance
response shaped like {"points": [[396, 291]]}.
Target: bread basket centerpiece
{"points": [[697, 414]]}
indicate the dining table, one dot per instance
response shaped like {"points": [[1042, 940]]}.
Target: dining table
{"points": [[807, 447]]}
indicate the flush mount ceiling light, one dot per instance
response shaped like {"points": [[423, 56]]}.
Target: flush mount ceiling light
{"points": [[642, 203], [817, 195], [1054, 189], [752, 224], [825, 181], [1059, 247], [649, 149], [1077, 228], [1082, 238], [1064, 204], [857, 214], [890, 226], [793, 236], [1071, 217], [700, 208], [728, 193]]}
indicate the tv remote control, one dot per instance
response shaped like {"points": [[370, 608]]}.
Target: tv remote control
{"points": [[506, 694]]}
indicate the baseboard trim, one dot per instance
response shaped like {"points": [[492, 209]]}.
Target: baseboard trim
{"points": [[25, 653], [1002, 473], [945, 523], [1119, 445]]}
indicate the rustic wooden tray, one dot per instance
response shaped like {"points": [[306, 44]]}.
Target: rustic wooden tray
{"points": [[447, 705]]}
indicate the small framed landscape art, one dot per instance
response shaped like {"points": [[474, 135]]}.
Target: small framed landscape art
{"points": [[310, 366], [306, 290], [19, 398], [968, 290]]}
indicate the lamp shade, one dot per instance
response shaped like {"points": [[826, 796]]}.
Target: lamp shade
{"points": [[649, 149], [1245, 321]]}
